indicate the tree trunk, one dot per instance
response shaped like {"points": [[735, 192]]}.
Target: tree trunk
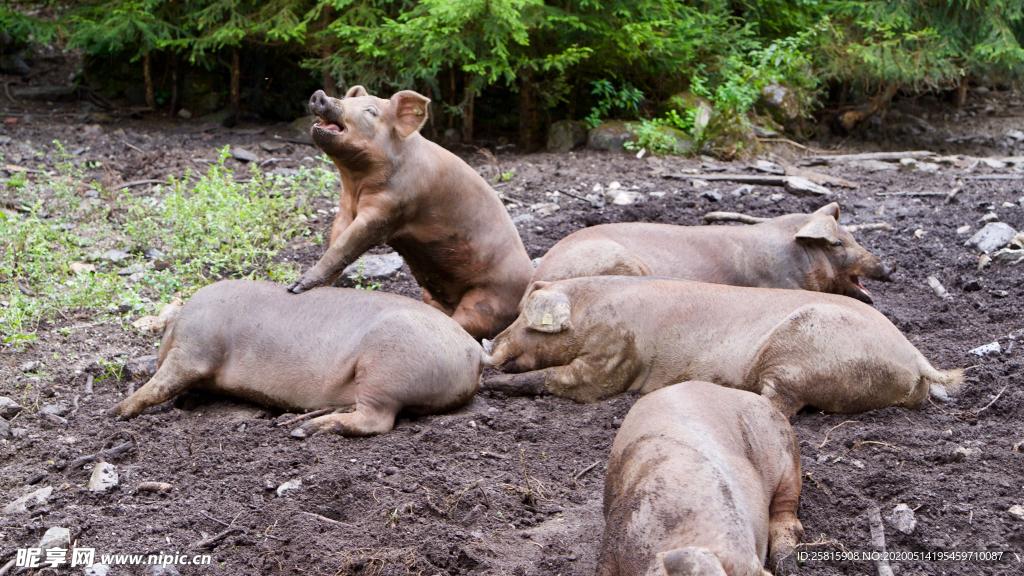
{"points": [[527, 111], [147, 74], [174, 84], [236, 80], [330, 84], [467, 114], [961, 92], [851, 118], [451, 97]]}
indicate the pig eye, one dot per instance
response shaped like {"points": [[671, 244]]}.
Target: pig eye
{"points": [[373, 112], [837, 244]]}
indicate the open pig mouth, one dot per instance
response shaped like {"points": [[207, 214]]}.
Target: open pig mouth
{"points": [[866, 295], [330, 126]]}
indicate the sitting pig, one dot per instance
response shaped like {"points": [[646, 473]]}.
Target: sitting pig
{"points": [[796, 251], [331, 348], [401, 189], [589, 338], [701, 480]]}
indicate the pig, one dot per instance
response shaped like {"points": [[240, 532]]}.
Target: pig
{"points": [[701, 480], [795, 251], [329, 348], [401, 189], [590, 338]]}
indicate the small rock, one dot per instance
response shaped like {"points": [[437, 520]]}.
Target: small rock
{"points": [[908, 162], [1017, 511], [79, 267], [272, 145], [375, 266], [104, 476], [927, 167], [614, 185], [157, 487], [474, 515], [129, 270], [769, 167], [612, 136], [30, 366], [903, 519], [565, 135], [990, 217], [153, 254], [545, 208], [803, 186], [625, 198], [141, 368], [992, 349], [963, 229], [775, 198], [114, 255], [961, 453], [698, 183], [5, 428], [51, 409], [993, 236], [390, 471], [523, 218], [23, 504], [289, 485], [873, 165], [97, 570], [243, 155], [993, 163], [742, 190], [55, 537], [712, 195], [184, 114], [1016, 135]]}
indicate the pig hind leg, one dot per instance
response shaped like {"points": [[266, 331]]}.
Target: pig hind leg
{"points": [[593, 257], [366, 420], [175, 375]]}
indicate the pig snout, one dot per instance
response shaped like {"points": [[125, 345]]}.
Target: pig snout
{"points": [[886, 272], [319, 103]]}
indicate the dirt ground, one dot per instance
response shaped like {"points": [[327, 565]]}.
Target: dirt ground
{"points": [[514, 485]]}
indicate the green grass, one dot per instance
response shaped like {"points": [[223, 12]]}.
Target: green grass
{"points": [[211, 229]]}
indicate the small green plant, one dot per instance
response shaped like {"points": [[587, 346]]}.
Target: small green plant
{"points": [[504, 176], [666, 135], [626, 99], [361, 280]]}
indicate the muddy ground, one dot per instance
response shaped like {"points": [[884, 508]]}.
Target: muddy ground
{"points": [[514, 485]]}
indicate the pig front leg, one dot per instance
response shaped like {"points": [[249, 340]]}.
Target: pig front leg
{"points": [[784, 528], [585, 379], [172, 378], [525, 384], [366, 231]]}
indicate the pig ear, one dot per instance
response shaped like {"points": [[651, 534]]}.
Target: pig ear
{"points": [[829, 210], [356, 92], [547, 311], [820, 228], [410, 110]]}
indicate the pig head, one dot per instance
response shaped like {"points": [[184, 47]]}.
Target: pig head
{"points": [[399, 188], [796, 251]]}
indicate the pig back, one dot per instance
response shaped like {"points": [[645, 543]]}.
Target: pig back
{"points": [[695, 464]]}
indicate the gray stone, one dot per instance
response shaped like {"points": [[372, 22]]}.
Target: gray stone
{"points": [[742, 190], [284, 171], [55, 537], [133, 269], [376, 265], [141, 368], [993, 236], [243, 155], [31, 500], [545, 208], [1016, 511], [993, 163], [289, 485], [5, 428], [184, 114], [523, 218], [611, 136], [804, 187], [712, 195], [903, 519], [272, 145], [565, 135], [104, 476], [153, 254], [30, 366], [873, 165], [18, 433], [114, 255], [780, 103], [991, 349], [51, 409]]}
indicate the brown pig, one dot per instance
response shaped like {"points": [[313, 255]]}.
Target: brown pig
{"points": [[401, 189], [701, 480], [589, 338], [331, 348], [795, 251]]}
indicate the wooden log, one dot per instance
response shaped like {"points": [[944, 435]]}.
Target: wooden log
{"points": [[880, 156]]}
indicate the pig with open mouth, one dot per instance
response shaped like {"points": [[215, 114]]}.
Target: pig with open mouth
{"points": [[795, 251], [400, 189], [590, 338], [366, 354], [701, 480]]}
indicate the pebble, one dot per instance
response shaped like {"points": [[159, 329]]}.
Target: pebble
{"points": [[289, 485], [903, 519], [80, 267], [30, 366], [9, 408], [272, 146], [625, 198], [243, 155], [184, 114], [712, 195], [51, 409], [153, 254], [964, 229], [742, 190], [55, 537], [1017, 511], [993, 163], [961, 453], [991, 349], [22, 505], [376, 265], [993, 236], [545, 208], [798, 185], [698, 183], [104, 476], [990, 217], [5, 428], [114, 255], [523, 218]]}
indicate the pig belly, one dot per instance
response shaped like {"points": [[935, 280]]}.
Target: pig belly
{"points": [[288, 382]]}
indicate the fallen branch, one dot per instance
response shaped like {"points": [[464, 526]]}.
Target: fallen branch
{"points": [[16, 168], [878, 541], [741, 178], [302, 417], [7, 567], [213, 540], [133, 147], [732, 217], [863, 442], [911, 194], [825, 441], [585, 470], [819, 178], [871, 227], [881, 156], [136, 183], [495, 456], [103, 454], [325, 519], [952, 194], [938, 288], [993, 401]]}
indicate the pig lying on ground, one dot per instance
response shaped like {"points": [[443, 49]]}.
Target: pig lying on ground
{"points": [[589, 338], [796, 251], [401, 189], [331, 348], [701, 480]]}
